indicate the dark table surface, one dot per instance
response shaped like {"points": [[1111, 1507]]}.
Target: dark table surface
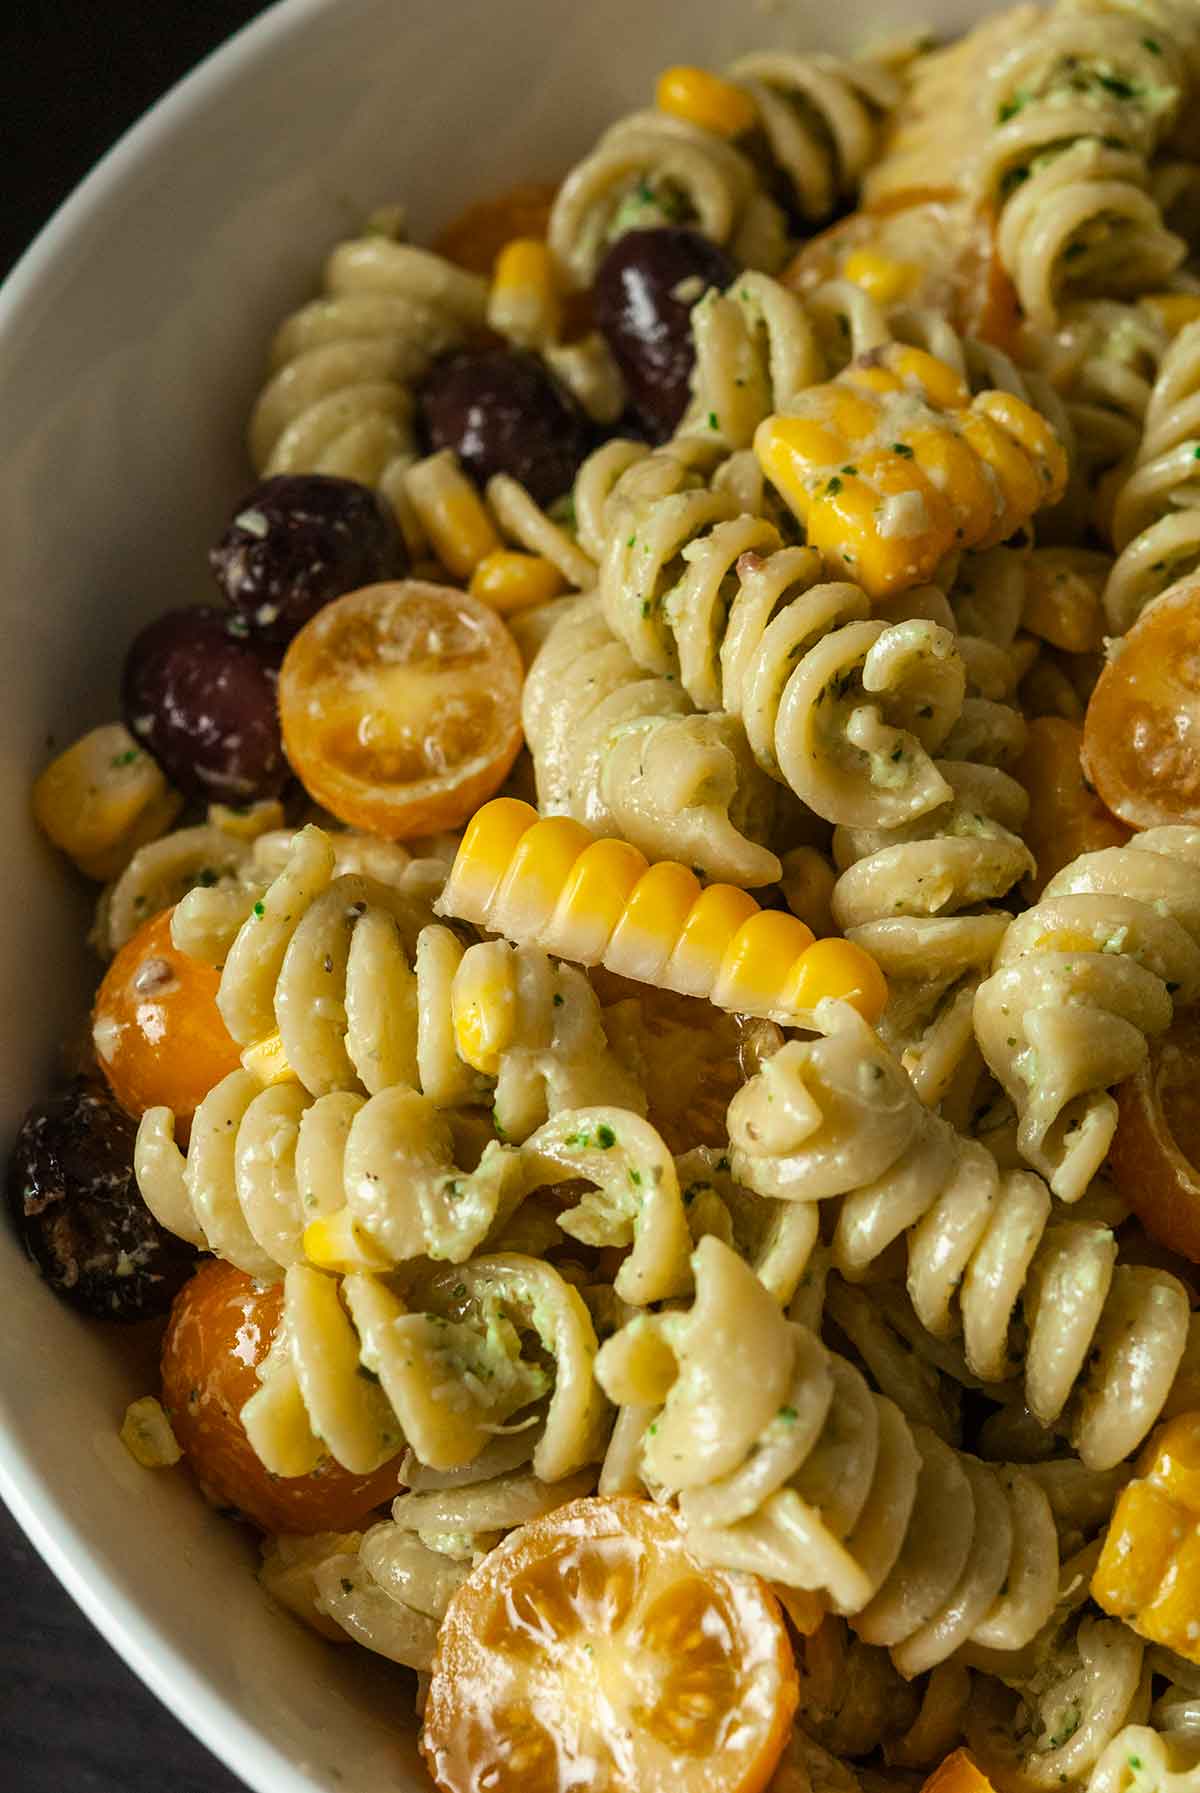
{"points": [[72, 77]]}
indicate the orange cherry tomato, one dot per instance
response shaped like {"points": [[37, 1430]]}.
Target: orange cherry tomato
{"points": [[477, 235], [220, 1329], [1156, 1152], [591, 1648], [157, 1030], [958, 1774], [939, 254], [1141, 735], [1066, 818], [401, 707]]}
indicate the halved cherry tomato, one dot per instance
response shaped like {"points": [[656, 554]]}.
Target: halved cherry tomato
{"points": [[220, 1329], [939, 254], [401, 707], [1066, 818], [591, 1648], [158, 1034], [1141, 736], [477, 235], [1156, 1152], [958, 1774]]}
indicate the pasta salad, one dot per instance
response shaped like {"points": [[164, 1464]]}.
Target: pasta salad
{"points": [[646, 1057]]}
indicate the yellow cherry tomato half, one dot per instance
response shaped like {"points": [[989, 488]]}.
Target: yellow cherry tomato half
{"points": [[401, 707], [156, 1027], [592, 1648], [1141, 735]]}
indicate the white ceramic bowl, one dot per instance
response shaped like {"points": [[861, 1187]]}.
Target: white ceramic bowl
{"points": [[131, 337]]}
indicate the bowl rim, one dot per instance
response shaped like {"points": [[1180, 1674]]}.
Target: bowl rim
{"points": [[34, 1502]]}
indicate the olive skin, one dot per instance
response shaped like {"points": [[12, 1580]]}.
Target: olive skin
{"points": [[644, 321], [78, 1212], [200, 696], [502, 411], [296, 542]]}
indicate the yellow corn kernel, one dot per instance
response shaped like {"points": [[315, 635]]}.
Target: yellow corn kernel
{"points": [[705, 100], [1066, 940], [248, 822], [951, 465], [147, 1435], [593, 899], [652, 921], [792, 451], [855, 415], [510, 581], [524, 303], [879, 275], [848, 524], [267, 1060], [1017, 481], [1173, 310], [102, 799], [336, 1242], [452, 513], [836, 968], [1149, 1568], [758, 961], [536, 875], [1036, 438], [484, 856], [706, 937], [483, 1005]]}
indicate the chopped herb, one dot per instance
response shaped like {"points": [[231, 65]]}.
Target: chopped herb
{"points": [[1009, 108], [127, 758], [834, 487], [459, 1290], [635, 1177], [559, 999], [1155, 48], [713, 422], [1117, 86], [896, 755], [259, 910], [632, 539], [788, 1415], [645, 606], [605, 1137], [850, 470], [347, 1586], [652, 1428], [206, 877], [902, 448], [497, 1124]]}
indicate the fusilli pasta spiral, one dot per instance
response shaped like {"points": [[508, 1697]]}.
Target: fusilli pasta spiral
{"points": [[1100, 1342], [1080, 981], [1156, 513]]}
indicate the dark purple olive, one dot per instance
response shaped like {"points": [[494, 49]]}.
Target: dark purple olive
{"points": [[296, 542], [647, 322], [201, 697], [501, 411], [79, 1213]]}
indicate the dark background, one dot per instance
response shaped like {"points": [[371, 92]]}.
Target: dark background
{"points": [[73, 75]]}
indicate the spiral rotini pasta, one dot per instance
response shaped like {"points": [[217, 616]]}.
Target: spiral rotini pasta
{"points": [[628, 755], [756, 348], [1102, 1340], [842, 708], [820, 117], [339, 398], [1080, 980], [1156, 513], [786, 1465]]}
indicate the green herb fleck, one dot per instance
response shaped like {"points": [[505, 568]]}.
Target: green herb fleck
{"points": [[902, 448], [713, 422], [1155, 48], [788, 1415], [127, 758], [605, 1137], [259, 910], [834, 487]]}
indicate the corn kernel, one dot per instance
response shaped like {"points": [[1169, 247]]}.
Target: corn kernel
{"points": [[837, 968], [451, 513], [537, 872], [1173, 310], [706, 100], [706, 936], [102, 799], [483, 1005], [652, 921], [757, 962], [1041, 446], [267, 1060], [593, 899], [1173, 1457], [524, 303], [884, 279], [510, 581], [249, 821], [147, 1435], [336, 1242], [484, 856]]}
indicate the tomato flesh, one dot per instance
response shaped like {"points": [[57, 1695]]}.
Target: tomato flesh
{"points": [[591, 1648], [400, 706], [220, 1329], [1141, 737], [1156, 1152], [157, 1030]]}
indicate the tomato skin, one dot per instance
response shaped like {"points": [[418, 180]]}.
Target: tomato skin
{"points": [[158, 1033], [1066, 818], [477, 235], [1156, 1152], [220, 1329], [401, 707], [1141, 735]]}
